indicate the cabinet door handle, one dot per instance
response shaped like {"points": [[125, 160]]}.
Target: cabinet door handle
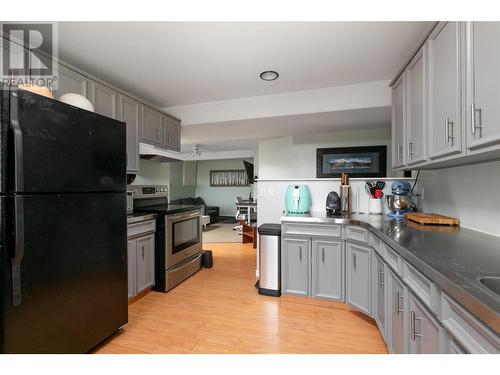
{"points": [[473, 111], [399, 151], [447, 134], [142, 248], [397, 303], [380, 278], [354, 260], [413, 331], [410, 149], [300, 253], [323, 254]]}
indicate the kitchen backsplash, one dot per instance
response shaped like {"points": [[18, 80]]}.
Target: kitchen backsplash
{"points": [[271, 195]]}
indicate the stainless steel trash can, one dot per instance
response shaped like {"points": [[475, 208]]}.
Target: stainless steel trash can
{"points": [[270, 259]]}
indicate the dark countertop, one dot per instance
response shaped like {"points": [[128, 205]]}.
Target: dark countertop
{"points": [[453, 257], [168, 209], [138, 217]]}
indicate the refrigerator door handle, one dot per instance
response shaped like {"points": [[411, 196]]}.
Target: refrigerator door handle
{"points": [[18, 143], [19, 250]]}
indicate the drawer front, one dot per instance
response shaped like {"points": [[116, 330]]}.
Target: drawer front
{"points": [[393, 259], [376, 243], [421, 286], [319, 230], [142, 227], [356, 233], [470, 334]]}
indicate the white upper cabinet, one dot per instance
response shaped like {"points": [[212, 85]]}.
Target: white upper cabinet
{"points": [[104, 99], [415, 108], [70, 81], [131, 113], [398, 122], [445, 80], [483, 78]]}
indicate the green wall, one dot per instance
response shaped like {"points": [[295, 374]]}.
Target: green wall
{"points": [[223, 197]]}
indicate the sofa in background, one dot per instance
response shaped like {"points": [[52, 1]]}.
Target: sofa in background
{"points": [[212, 211]]}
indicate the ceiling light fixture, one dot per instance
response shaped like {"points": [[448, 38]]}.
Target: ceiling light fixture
{"points": [[269, 75], [196, 153]]}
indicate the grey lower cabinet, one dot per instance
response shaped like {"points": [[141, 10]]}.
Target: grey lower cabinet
{"points": [[152, 126], [396, 312], [358, 276], [424, 329], [140, 264], [327, 269], [104, 99], [145, 262], [131, 254], [130, 112], [379, 286], [295, 266]]}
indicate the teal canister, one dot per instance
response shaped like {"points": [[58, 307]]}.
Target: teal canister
{"points": [[298, 199]]}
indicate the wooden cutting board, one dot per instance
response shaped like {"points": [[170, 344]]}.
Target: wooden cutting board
{"points": [[424, 218]]}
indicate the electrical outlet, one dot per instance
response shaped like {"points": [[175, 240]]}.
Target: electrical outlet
{"points": [[422, 194]]}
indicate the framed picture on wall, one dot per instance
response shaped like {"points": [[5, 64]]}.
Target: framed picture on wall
{"points": [[363, 161], [229, 178]]}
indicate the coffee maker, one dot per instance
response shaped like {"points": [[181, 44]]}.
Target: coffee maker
{"points": [[399, 202]]}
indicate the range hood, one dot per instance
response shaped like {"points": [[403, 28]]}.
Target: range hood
{"points": [[158, 158], [153, 153]]}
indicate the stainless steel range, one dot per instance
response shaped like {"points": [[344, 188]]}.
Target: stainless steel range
{"points": [[178, 235]]}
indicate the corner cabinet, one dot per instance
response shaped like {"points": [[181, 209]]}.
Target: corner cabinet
{"points": [[358, 276], [295, 266]]}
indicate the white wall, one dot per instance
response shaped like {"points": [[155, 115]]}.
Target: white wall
{"points": [[176, 188], [223, 197], [152, 173], [470, 193], [295, 156], [168, 174]]}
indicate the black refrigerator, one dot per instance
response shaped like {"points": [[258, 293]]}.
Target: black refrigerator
{"points": [[63, 286]]}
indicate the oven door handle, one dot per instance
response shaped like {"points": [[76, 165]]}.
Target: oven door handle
{"points": [[180, 217]]}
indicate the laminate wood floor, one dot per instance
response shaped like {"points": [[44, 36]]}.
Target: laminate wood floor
{"points": [[218, 310]]}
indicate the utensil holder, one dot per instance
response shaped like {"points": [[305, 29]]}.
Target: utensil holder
{"points": [[375, 206]]}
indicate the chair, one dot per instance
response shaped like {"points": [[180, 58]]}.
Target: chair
{"points": [[241, 215]]}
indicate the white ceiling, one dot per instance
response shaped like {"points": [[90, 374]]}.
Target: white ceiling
{"points": [[244, 134], [178, 63]]}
